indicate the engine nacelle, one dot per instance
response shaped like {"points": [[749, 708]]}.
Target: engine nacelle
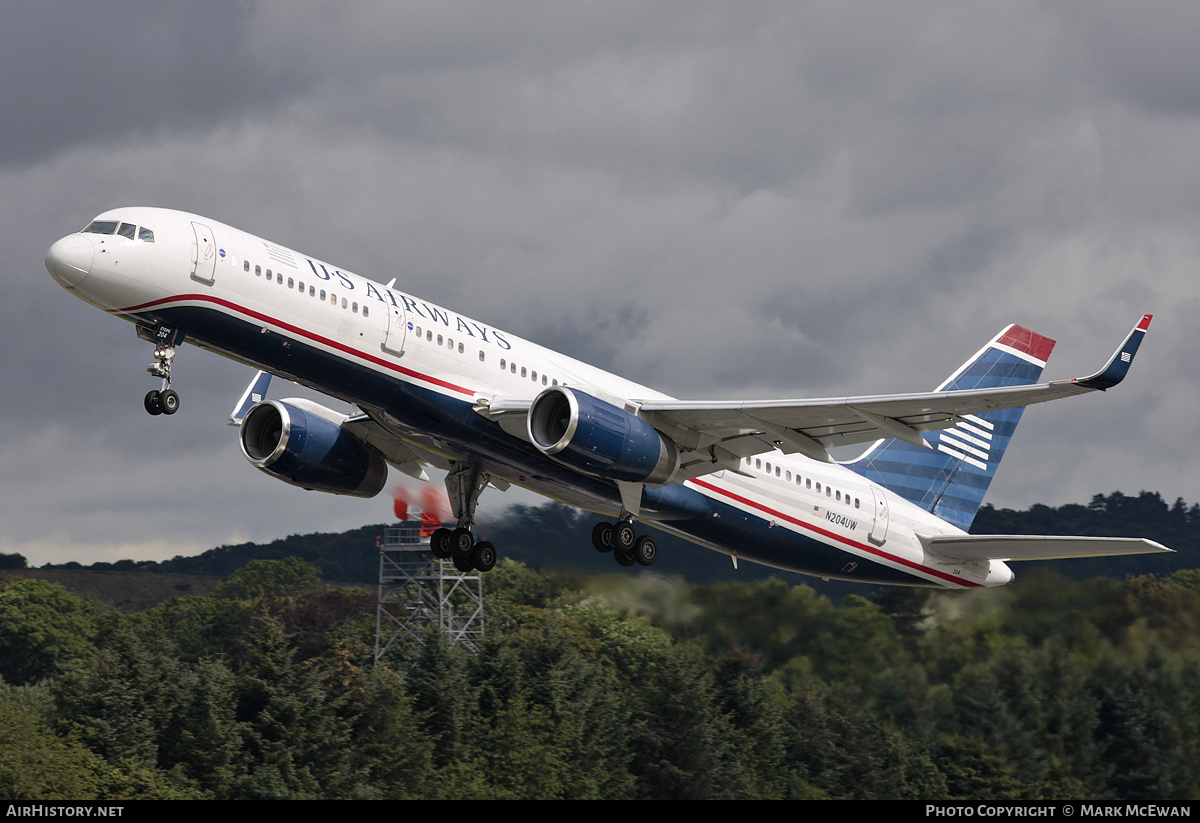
{"points": [[307, 449], [595, 437]]}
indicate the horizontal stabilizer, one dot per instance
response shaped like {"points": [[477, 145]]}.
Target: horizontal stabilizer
{"points": [[1034, 546]]}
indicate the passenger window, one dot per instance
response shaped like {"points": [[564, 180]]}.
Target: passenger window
{"points": [[258, 271], [481, 355], [364, 310], [543, 379], [343, 302], [522, 371], [503, 363], [145, 235], [460, 348], [354, 307], [245, 265], [127, 230], [291, 283], [322, 295]]}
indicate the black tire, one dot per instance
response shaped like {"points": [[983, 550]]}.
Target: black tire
{"points": [[602, 537], [483, 556], [152, 404], [439, 543], [645, 550], [624, 558], [168, 401], [624, 536], [461, 543], [463, 564]]}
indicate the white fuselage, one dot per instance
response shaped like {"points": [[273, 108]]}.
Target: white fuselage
{"points": [[427, 372]]}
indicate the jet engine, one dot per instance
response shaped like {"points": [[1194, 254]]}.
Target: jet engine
{"points": [[305, 447], [598, 438]]}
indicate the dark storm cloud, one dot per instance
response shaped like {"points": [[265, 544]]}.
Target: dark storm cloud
{"points": [[129, 70]]}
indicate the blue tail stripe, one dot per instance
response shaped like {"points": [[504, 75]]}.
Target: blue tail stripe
{"points": [[951, 478]]}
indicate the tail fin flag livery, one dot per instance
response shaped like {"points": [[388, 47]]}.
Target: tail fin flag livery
{"points": [[950, 475], [429, 387]]}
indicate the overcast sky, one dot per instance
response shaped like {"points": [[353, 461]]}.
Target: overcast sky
{"points": [[717, 199]]}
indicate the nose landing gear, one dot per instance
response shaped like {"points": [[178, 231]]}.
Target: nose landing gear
{"points": [[165, 339]]}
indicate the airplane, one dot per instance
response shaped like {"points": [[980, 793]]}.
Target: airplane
{"points": [[429, 387]]}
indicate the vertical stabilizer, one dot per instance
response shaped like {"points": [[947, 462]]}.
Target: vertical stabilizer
{"points": [[951, 478]]}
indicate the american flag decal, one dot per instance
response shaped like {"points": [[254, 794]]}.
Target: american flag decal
{"points": [[969, 441]]}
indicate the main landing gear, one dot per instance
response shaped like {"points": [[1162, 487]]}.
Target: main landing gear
{"points": [[621, 539], [464, 484], [164, 400]]}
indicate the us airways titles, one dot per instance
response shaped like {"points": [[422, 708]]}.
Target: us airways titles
{"points": [[431, 313]]}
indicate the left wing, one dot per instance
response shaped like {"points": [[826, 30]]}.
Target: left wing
{"points": [[744, 428], [716, 435]]}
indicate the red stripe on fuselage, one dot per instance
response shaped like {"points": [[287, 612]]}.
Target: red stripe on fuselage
{"points": [[183, 298], [958, 581]]}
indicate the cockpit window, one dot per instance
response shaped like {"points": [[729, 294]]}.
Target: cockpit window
{"points": [[127, 230], [145, 234], [101, 227]]}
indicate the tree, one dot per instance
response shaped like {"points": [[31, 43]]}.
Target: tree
{"points": [[269, 578]]}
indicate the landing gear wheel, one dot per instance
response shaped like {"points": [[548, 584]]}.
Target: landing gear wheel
{"points": [[624, 558], [463, 564], [623, 536], [439, 543], [645, 550], [153, 404], [483, 556], [168, 401], [461, 544], [602, 537]]}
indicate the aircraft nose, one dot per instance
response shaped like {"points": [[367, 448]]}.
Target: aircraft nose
{"points": [[70, 259]]}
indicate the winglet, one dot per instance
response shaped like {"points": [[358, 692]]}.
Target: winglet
{"points": [[254, 393], [1118, 366]]}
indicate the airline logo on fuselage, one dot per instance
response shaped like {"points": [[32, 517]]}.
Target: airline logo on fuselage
{"points": [[433, 314]]}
